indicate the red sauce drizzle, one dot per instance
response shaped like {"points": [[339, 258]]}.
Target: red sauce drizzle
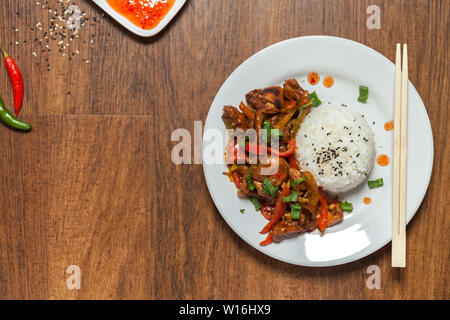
{"points": [[328, 81], [146, 14], [383, 160], [388, 126], [313, 78]]}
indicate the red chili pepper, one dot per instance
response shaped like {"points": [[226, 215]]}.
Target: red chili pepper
{"points": [[267, 241], [323, 218], [280, 208], [259, 149], [16, 80], [288, 152]]}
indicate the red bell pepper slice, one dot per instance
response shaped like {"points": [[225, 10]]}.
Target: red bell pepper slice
{"points": [[280, 208], [323, 218], [237, 182], [267, 241], [293, 162], [259, 149], [288, 152]]}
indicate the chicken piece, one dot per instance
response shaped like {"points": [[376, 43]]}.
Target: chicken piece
{"points": [[232, 116], [257, 101], [293, 91], [288, 227], [334, 216], [273, 95], [335, 213], [295, 174]]}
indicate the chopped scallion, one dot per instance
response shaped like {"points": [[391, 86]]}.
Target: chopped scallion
{"points": [[346, 206], [268, 187], [242, 211], [268, 127], [306, 105], [242, 141], [363, 93], [291, 198], [375, 183], [314, 99], [255, 203], [295, 211], [251, 185], [298, 181], [277, 133]]}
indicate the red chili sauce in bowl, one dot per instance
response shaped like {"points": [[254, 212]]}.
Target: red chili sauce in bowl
{"points": [[146, 14]]}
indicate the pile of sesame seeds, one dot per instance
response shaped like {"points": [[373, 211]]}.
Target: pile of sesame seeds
{"points": [[57, 34]]}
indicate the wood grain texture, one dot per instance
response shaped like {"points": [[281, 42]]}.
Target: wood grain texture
{"points": [[93, 184]]}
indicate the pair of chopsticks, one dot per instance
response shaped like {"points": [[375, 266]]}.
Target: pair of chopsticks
{"points": [[400, 135]]}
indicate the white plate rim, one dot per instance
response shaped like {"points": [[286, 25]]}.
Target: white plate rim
{"points": [[362, 253], [134, 28]]}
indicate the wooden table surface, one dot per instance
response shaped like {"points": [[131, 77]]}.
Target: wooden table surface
{"points": [[93, 184]]}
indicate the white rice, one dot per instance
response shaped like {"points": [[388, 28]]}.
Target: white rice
{"points": [[336, 145]]}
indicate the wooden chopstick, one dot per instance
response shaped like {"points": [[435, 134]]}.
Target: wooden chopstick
{"points": [[400, 143]]}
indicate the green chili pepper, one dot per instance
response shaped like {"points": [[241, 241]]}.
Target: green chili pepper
{"points": [[10, 120]]}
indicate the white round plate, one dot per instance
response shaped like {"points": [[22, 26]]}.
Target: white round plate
{"points": [[368, 227]]}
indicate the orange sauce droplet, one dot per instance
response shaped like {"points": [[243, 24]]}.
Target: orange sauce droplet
{"points": [[313, 78], [328, 81], [146, 14], [388, 126], [383, 160], [367, 200]]}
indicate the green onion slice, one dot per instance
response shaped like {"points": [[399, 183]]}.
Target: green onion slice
{"points": [[268, 127], [291, 198], [268, 187], [298, 181], [306, 105], [255, 203], [347, 206], [314, 99], [242, 141], [277, 133], [251, 185], [363, 93], [295, 211], [375, 183]]}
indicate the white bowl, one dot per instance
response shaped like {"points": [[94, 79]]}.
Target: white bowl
{"points": [[134, 28]]}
